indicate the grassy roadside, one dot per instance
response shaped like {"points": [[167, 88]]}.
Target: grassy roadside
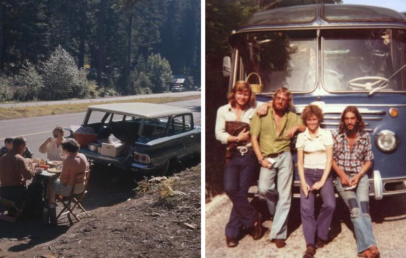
{"points": [[46, 110]]}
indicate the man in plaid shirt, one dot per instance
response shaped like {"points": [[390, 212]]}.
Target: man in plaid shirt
{"points": [[352, 160]]}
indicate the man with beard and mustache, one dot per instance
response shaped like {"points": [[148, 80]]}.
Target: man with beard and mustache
{"points": [[271, 136], [352, 159]]}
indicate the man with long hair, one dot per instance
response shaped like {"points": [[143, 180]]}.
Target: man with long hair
{"points": [[352, 160], [271, 139], [242, 165]]}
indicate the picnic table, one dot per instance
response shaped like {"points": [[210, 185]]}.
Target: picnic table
{"points": [[44, 175]]}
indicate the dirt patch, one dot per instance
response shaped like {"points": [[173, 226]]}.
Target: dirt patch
{"points": [[164, 222]]}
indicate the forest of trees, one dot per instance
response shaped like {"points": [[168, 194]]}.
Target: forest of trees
{"points": [[115, 46]]}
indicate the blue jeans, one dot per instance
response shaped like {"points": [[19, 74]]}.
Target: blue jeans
{"points": [[309, 222], [237, 179], [278, 200], [357, 201]]}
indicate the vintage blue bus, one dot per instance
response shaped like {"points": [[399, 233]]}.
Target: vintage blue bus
{"points": [[334, 56]]}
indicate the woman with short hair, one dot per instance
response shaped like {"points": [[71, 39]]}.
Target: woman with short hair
{"points": [[314, 160], [52, 145]]}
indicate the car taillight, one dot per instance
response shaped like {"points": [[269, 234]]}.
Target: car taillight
{"points": [[143, 158]]}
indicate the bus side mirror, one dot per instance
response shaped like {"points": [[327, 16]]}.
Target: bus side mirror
{"points": [[226, 66]]}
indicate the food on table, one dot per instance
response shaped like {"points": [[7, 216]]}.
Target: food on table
{"points": [[54, 163], [54, 170]]}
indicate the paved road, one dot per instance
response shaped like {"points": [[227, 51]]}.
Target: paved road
{"points": [[389, 226], [37, 129], [76, 101]]}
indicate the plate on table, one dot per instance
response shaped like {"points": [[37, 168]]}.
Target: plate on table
{"points": [[54, 163], [54, 170]]}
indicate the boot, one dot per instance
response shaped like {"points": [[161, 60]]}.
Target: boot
{"points": [[310, 250]]}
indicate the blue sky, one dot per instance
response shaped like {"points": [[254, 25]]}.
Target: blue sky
{"points": [[398, 5]]}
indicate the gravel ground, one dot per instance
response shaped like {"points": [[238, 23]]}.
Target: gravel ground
{"points": [[389, 226], [164, 222]]}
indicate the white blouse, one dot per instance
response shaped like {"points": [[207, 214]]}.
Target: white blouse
{"points": [[314, 150]]}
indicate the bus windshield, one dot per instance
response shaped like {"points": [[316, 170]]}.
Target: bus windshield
{"points": [[364, 60], [286, 58]]}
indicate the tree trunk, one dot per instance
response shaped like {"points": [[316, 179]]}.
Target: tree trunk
{"points": [[127, 67], [147, 52], [82, 35], [101, 42]]}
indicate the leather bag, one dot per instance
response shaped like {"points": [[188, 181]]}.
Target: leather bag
{"points": [[234, 128]]}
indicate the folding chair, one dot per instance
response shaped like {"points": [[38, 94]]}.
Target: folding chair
{"points": [[73, 200], [10, 206]]}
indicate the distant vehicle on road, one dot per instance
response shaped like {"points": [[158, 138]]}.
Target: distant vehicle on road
{"points": [[140, 137], [178, 89]]}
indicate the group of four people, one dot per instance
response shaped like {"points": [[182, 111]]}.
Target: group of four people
{"points": [[15, 170], [267, 143]]}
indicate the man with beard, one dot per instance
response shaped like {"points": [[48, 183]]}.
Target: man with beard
{"points": [[271, 139], [352, 159]]}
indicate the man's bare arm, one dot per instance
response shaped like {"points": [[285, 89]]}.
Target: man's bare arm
{"points": [[255, 145], [263, 109], [291, 131]]}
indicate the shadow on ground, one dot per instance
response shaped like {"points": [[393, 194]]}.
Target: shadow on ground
{"points": [[391, 208], [107, 187]]}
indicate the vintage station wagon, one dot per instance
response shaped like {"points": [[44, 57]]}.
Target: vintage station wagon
{"points": [[153, 137], [334, 55]]}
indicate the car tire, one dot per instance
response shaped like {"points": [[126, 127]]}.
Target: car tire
{"points": [[168, 169]]}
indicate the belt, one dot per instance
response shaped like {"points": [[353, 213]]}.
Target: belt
{"points": [[243, 149], [275, 155]]}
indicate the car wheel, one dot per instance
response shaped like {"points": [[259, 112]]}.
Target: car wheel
{"points": [[168, 169]]}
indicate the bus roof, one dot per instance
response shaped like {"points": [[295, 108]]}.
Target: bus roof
{"points": [[321, 15]]}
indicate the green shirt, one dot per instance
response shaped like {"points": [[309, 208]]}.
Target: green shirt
{"points": [[265, 128]]}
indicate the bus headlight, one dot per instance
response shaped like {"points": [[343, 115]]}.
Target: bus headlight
{"points": [[386, 141]]}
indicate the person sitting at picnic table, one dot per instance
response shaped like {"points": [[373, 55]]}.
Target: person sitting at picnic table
{"points": [[14, 173], [73, 174], [52, 145], [8, 145]]}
